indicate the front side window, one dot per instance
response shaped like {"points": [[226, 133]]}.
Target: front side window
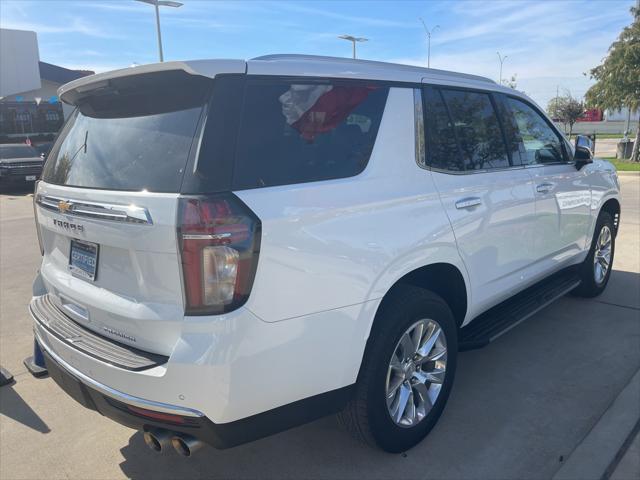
{"points": [[294, 132], [476, 129], [538, 142]]}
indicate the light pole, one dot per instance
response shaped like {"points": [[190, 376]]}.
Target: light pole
{"points": [[157, 4], [429, 32], [353, 40], [502, 59]]}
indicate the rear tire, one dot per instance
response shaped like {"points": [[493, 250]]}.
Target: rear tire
{"points": [[411, 318], [596, 268]]}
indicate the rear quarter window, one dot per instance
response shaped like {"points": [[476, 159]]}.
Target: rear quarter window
{"points": [[296, 131]]}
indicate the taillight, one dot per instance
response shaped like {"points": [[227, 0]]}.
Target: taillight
{"points": [[219, 245]]}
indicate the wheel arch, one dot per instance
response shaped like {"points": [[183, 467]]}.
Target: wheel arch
{"points": [[444, 279], [612, 207]]}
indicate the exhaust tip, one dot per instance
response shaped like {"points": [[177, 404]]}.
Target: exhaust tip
{"points": [[156, 440], [185, 445], [152, 442]]}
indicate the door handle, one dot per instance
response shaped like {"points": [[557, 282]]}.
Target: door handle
{"points": [[544, 187], [468, 202]]}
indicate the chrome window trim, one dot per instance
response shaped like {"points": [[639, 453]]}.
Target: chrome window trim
{"points": [[103, 211], [418, 121]]}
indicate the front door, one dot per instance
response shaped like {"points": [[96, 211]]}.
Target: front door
{"points": [[563, 195]]}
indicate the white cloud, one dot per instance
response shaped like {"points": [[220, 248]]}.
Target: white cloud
{"points": [[357, 19], [74, 25]]}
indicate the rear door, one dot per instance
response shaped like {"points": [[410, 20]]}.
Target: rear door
{"points": [[563, 194], [107, 207], [490, 203]]}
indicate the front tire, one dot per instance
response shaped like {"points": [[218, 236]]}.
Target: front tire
{"points": [[407, 371], [596, 269]]}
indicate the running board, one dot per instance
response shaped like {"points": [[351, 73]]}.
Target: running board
{"points": [[503, 317]]}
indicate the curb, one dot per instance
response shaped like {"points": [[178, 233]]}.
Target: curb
{"points": [[628, 174], [601, 447]]}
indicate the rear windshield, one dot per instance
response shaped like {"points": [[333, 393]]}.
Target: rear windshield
{"points": [[18, 151], [135, 134]]}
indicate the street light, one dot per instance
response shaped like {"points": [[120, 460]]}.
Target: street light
{"points": [[158, 4], [353, 40], [502, 59], [429, 32]]}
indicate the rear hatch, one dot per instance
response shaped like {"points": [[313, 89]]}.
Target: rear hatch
{"points": [[107, 205]]}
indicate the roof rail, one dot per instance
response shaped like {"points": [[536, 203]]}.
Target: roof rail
{"points": [[373, 63]]}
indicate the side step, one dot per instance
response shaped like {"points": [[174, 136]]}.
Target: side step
{"points": [[503, 317]]}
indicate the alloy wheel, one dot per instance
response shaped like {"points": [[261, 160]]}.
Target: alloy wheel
{"points": [[602, 256], [416, 373]]}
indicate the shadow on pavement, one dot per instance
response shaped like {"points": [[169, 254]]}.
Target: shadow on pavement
{"points": [[518, 408], [319, 448], [16, 190], [623, 290], [14, 407]]}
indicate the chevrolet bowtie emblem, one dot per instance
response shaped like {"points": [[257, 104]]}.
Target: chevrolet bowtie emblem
{"points": [[64, 206]]}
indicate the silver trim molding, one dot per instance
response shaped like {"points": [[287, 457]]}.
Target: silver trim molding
{"points": [[112, 392], [98, 210], [418, 122]]}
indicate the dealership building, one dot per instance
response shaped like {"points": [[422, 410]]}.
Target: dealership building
{"points": [[29, 105]]}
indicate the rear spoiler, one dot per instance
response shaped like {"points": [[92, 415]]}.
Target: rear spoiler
{"points": [[82, 87]]}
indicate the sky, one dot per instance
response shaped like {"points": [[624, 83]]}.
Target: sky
{"points": [[549, 44]]}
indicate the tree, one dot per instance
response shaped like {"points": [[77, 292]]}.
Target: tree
{"points": [[618, 77], [566, 109], [512, 82]]}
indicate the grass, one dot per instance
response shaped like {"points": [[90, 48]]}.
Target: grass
{"points": [[624, 165], [600, 136]]}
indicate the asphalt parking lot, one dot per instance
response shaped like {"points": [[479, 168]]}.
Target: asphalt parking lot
{"points": [[519, 407]]}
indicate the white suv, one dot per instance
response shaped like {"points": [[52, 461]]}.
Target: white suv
{"points": [[232, 248]]}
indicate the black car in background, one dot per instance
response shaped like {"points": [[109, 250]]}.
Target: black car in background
{"points": [[43, 148], [19, 164]]}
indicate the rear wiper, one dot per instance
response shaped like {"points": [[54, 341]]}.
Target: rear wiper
{"points": [[82, 147]]}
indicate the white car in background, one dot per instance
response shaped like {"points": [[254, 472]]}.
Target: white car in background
{"points": [[232, 248]]}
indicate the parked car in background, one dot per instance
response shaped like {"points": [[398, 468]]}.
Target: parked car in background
{"points": [[19, 164], [44, 148], [591, 115], [232, 248]]}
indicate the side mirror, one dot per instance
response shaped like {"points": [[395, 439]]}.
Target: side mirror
{"points": [[584, 151]]}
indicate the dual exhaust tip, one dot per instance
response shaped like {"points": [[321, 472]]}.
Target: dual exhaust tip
{"points": [[159, 440]]}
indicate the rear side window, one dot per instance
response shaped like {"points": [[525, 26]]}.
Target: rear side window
{"points": [[476, 129], [295, 132], [135, 135], [442, 149]]}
